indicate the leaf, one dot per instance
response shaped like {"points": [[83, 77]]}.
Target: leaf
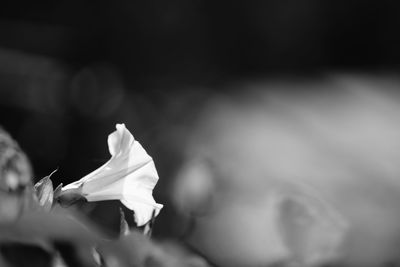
{"points": [[44, 192], [136, 249], [57, 191], [59, 224], [124, 226]]}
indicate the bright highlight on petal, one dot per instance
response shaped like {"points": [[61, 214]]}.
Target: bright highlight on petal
{"points": [[129, 176]]}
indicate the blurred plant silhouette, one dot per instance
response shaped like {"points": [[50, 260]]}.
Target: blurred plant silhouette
{"points": [[36, 231]]}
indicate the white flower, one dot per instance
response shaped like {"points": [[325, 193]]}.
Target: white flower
{"points": [[129, 176]]}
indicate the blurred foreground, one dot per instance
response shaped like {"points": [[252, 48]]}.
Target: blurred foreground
{"points": [[305, 173], [285, 172]]}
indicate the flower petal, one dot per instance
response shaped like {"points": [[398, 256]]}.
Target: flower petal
{"points": [[129, 176], [143, 211], [120, 141]]}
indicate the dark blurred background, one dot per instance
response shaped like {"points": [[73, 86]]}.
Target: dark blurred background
{"points": [[70, 70]]}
